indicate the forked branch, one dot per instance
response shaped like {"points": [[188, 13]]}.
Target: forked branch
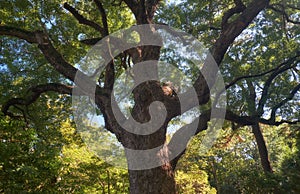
{"points": [[34, 93], [283, 102], [289, 64], [226, 38], [83, 20]]}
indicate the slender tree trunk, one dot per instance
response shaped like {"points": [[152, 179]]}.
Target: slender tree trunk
{"points": [[262, 148], [261, 144], [215, 177]]}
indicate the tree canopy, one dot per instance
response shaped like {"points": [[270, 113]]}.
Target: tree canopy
{"points": [[253, 43]]}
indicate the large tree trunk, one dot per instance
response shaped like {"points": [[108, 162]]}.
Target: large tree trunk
{"points": [[158, 180], [158, 177], [149, 171]]}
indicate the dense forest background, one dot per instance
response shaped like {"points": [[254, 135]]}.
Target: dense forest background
{"points": [[257, 150]]}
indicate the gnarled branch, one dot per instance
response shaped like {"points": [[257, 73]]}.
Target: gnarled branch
{"points": [[86, 85], [277, 123], [34, 93], [186, 132]]}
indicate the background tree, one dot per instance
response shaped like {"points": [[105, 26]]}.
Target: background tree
{"points": [[233, 166], [255, 43]]}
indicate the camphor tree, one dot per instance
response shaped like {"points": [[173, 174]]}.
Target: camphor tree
{"points": [[51, 38]]}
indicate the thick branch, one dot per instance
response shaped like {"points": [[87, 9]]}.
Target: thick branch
{"points": [[184, 134], [277, 123], [103, 16], [261, 144], [181, 137], [228, 34], [133, 6], [250, 120], [237, 9], [151, 7], [51, 54], [85, 84], [235, 28], [19, 33], [34, 93], [83, 20]]}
